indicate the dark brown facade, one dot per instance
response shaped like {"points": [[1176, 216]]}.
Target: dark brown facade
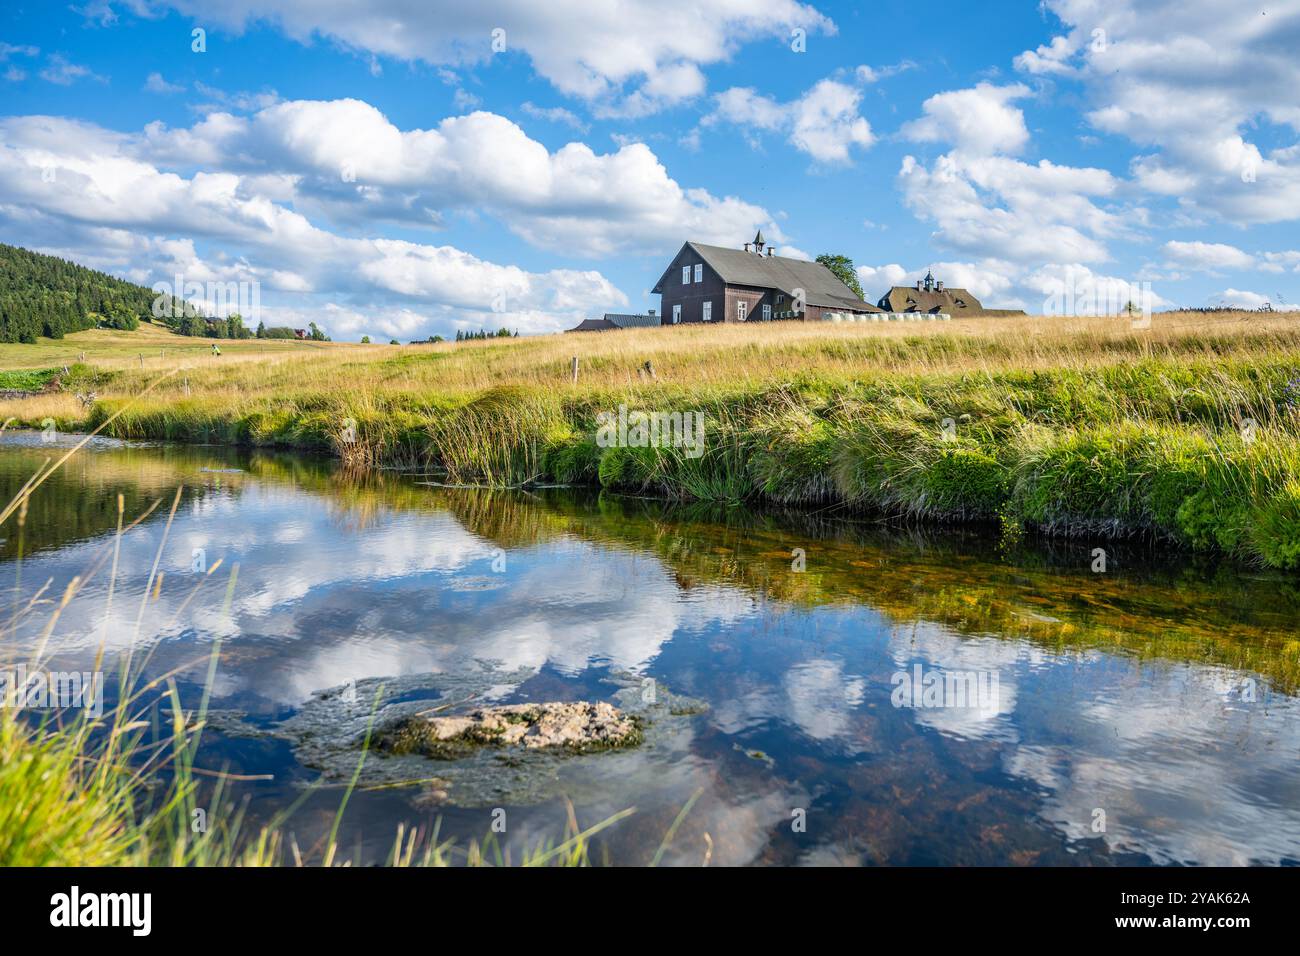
{"points": [[684, 301], [713, 284]]}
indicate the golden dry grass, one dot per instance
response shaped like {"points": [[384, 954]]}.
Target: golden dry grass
{"points": [[726, 357]]}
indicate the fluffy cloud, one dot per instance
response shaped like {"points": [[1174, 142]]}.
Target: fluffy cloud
{"points": [[1050, 59], [827, 124], [987, 203], [249, 191], [1190, 80], [1002, 207], [824, 122], [345, 159], [100, 187], [1208, 256], [877, 280], [1218, 256], [979, 120], [745, 106], [598, 52]]}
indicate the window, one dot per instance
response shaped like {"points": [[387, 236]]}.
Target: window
{"points": [[780, 297], [767, 313], [742, 309], [686, 275], [708, 311], [677, 314], [699, 272]]}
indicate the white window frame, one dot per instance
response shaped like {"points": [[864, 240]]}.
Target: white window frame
{"points": [[699, 272], [767, 312], [677, 314], [742, 310], [686, 275], [707, 311]]}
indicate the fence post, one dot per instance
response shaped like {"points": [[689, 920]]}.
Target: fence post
{"points": [[575, 370]]}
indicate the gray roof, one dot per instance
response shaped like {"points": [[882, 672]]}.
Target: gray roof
{"points": [[738, 267], [625, 321], [592, 325], [617, 320], [849, 301]]}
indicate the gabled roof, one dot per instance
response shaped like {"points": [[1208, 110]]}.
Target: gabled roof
{"points": [[592, 325], [617, 320], [903, 298], [626, 321], [850, 302], [738, 267]]}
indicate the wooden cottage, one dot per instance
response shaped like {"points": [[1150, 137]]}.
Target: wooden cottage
{"points": [[931, 296], [716, 284]]}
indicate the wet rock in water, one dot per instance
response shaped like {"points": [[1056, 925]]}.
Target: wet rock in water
{"points": [[579, 726], [330, 730]]}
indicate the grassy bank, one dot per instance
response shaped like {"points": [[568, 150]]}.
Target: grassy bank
{"points": [[97, 794], [1187, 432]]}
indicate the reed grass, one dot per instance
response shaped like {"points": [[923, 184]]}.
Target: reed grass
{"points": [[1186, 431]]}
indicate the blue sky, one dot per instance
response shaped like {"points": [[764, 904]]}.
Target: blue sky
{"points": [[408, 168]]}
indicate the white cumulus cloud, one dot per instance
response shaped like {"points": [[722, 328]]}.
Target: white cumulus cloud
{"points": [[626, 56], [978, 120], [825, 122]]}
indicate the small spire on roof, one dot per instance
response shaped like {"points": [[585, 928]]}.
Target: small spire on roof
{"points": [[758, 242]]}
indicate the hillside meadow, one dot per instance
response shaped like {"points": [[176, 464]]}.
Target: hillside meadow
{"points": [[1185, 432]]}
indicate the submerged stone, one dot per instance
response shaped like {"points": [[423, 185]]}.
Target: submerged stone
{"points": [[580, 726], [584, 750]]}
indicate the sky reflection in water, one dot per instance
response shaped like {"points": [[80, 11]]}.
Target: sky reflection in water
{"points": [[1123, 694]]}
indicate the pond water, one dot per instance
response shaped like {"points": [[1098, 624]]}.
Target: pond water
{"points": [[867, 695]]}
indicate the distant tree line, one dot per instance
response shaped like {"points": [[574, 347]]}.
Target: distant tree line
{"points": [[1266, 307], [200, 326], [502, 333], [47, 296], [232, 327]]}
